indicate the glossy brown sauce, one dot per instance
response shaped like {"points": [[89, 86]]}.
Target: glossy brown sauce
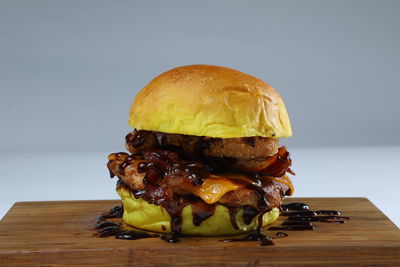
{"points": [[201, 211], [163, 164], [299, 218], [232, 215], [295, 206], [328, 212], [159, 165], [292, 228], [257, 235], [299, 223], [115, 212], [280, 235], [108, 228], [143, 140], [139, 138], [113, 229], [161, 161], [299, 213], [170, 238], [134, 235], [317, 218], [249, 213]]}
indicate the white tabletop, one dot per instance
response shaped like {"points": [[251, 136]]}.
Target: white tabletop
{"points": [[335, 172]]}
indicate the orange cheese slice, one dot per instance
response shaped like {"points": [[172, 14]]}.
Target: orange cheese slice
{"points": [[237, 176], [214, 187]]}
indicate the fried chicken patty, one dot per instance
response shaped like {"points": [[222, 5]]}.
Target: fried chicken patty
{"points": [[245, 148], [127, 168]]}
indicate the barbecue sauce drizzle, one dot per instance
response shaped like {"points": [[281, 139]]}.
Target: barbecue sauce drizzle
{"points": [[159, 165], [299, 217], [256, 235], [107, 228]]}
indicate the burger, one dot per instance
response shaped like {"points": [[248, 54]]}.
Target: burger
{"points": [[204, 156]]}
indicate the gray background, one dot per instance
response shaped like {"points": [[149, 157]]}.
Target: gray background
{"points": [[70, 69]]}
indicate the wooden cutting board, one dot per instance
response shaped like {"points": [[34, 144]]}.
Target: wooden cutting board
{"points": [[59, 233]]}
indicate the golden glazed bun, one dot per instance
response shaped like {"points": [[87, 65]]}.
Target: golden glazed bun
{"points": [[140, 214], [211, 101]]}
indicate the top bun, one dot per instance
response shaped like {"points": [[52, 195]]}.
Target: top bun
{"points": [[211, 101]]}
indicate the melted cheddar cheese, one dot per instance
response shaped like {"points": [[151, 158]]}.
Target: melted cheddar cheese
{"points": [[214, 187]]}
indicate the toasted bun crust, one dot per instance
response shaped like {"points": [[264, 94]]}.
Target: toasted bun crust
{"points": [[140, 214], [211, 101]]}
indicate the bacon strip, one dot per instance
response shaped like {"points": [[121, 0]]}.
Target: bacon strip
{"points": [[276, 165]]}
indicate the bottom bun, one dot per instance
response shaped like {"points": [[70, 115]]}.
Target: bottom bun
{"points": [[140, 214]]}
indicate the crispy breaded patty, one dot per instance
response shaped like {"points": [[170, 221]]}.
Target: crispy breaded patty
{"points": [[199, 146], [242, 148], [125, 167]]}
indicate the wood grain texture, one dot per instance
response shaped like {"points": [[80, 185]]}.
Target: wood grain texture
{"points": [[60, 233]]}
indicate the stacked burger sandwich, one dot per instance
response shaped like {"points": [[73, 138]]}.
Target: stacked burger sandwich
{"points": [[204, 156]]}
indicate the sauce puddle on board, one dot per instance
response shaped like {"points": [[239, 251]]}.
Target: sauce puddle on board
{"points": [[299, 218], [108, 228]]}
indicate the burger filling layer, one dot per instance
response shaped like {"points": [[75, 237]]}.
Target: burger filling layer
{"points": [[174, 171]]}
